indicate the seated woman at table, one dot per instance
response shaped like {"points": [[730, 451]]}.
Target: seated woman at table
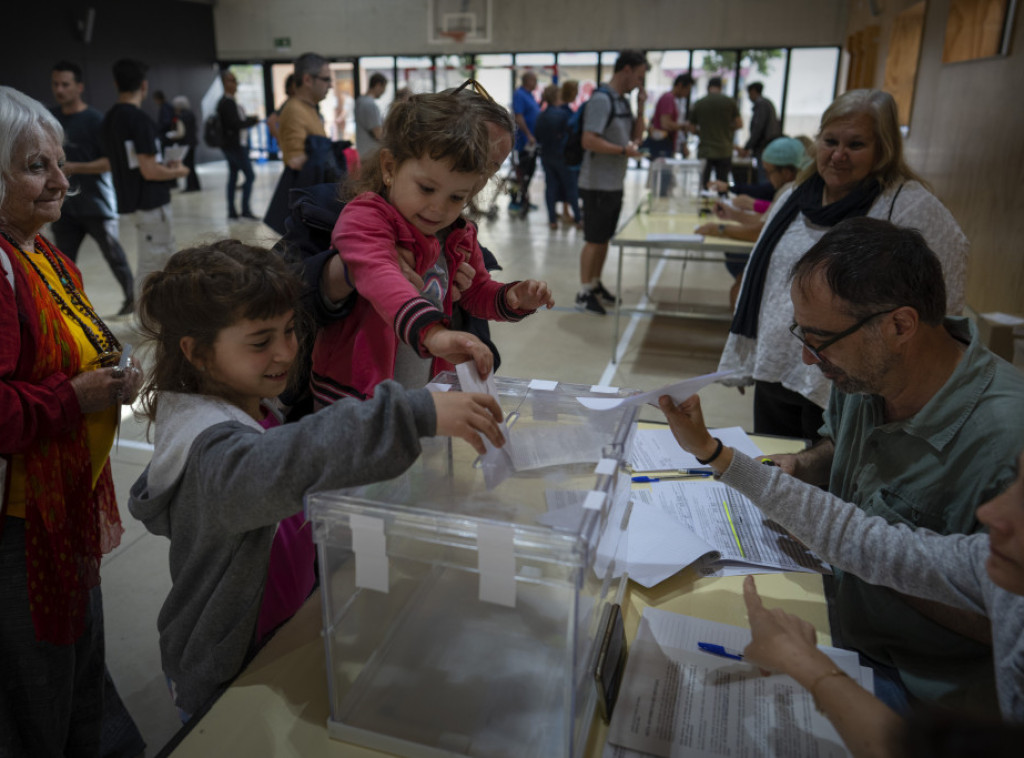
{"points": [[982, 573], [858, 170], [783, 159]]}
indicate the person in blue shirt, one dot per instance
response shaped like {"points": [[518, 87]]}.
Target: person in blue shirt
{"points": [[526, 110]]}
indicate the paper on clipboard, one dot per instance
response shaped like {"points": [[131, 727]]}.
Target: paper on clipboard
{"points": [[175, 153], [678, 392]]}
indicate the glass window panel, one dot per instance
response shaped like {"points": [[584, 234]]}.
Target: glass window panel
{"points": [[378, 64], [812, 80], [250, 96], [491, 60], [582, 68], [710, 63], [416, 73], [665, 66], [453, 70], [767, 66], [494, 72], [338, 108]]}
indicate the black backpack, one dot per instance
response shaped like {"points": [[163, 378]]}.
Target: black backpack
{"points": [[574, 142], [213, 131]]}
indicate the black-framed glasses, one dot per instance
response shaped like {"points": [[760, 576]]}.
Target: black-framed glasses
{"points": [[816, 350], [474, 85]]}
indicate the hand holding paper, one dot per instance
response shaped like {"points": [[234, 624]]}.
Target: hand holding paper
{"points": [[678, 392]]}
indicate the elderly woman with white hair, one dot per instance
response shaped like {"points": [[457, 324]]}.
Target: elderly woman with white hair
{"points": [[185, 131], [61, 390]]}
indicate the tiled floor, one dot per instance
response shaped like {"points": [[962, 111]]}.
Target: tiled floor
{"points": [[561, 344]]}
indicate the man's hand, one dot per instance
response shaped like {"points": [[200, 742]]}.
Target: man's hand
{"points": [[529, 295], [785, 461], [468, 415], [686, 420], [459, 347]]}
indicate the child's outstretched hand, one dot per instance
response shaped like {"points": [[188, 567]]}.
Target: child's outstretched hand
{"points": [[529, 295], [468, 415], [459, 347]]}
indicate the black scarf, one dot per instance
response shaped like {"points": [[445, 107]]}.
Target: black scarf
{"points": [[806, 199]]}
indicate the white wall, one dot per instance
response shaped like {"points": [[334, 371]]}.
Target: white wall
{"points": [[246, 29]]}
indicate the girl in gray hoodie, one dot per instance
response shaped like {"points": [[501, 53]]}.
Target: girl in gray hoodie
{"points": [[226, 481]]}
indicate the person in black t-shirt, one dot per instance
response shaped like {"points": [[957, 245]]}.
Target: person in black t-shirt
{"points": [[143, 184], [93, 209]]}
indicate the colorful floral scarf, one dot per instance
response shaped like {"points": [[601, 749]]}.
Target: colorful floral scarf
{"points": [[69, 525]]}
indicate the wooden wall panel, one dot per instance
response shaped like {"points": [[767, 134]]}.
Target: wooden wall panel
{"points": [[974, 29], [967, 140], [901, 62]]}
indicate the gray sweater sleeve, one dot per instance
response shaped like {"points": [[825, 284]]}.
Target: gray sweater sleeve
{"points": [[917, 562], [255, 479]]}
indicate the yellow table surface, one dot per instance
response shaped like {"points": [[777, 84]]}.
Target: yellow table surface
{"points": [[278, 706], [636, 230]]}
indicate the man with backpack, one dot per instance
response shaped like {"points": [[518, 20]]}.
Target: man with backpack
{"points": [[234, 143], [610, 135]]}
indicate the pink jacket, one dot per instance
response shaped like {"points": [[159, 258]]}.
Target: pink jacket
{"points": [[352, 356]]}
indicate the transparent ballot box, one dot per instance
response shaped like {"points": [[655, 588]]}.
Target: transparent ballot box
{"points": [[674, 184], [467, 602]]}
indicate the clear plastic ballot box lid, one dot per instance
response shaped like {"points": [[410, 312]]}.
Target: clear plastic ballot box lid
{"points": [[463, 600]]}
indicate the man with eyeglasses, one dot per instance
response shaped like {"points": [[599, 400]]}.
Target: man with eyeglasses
{"points": [[300, 116], [923, 424]]}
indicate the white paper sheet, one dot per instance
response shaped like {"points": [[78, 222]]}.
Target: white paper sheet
{"points": [[678, 392], [677, 701], [657, 449], [657, 544], [175, 153], [497, 461]]}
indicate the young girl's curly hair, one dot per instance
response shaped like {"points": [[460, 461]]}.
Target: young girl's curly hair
{"points": [[437, 126], [201, 291]]}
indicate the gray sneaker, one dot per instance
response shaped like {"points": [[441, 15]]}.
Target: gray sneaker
{"points": [[588, 302]]}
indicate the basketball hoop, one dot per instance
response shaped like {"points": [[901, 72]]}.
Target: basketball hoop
{"points": [[458, 37]]}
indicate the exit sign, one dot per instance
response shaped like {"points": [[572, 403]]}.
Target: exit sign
{"points": [[283, 43]]}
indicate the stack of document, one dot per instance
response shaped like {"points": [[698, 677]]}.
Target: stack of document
{"points": [[682, 520], [675, 700]]}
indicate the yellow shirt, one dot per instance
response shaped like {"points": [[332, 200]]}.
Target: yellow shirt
{"points": [[99, 426], [298, 119]]}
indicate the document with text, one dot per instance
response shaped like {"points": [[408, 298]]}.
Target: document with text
{"points": [[678, 702]]}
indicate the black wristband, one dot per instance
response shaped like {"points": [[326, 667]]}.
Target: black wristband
{"points": [[714, 455]]}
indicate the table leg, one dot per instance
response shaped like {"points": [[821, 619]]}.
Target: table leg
{"points": [[618, 307]]}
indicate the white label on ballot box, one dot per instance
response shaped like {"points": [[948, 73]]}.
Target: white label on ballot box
{"points": [[496, 559], [370, 547]]}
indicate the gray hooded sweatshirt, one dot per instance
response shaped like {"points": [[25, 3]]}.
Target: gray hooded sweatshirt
{"points": [[217, 486]]}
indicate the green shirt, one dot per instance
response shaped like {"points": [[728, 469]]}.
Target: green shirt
{"points": [[932, 471], [715, 115]]}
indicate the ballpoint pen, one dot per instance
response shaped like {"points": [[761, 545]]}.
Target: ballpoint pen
{"points": [[719, 650], [685, 474]]}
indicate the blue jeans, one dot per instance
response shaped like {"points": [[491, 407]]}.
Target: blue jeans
{"points": [[559, 186], [238, 162]]}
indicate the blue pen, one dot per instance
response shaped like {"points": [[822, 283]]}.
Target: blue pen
{"points": [[686, 474], [710, 647]]}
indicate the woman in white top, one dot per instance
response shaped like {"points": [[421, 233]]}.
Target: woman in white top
{"points": [[858, 170]]}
